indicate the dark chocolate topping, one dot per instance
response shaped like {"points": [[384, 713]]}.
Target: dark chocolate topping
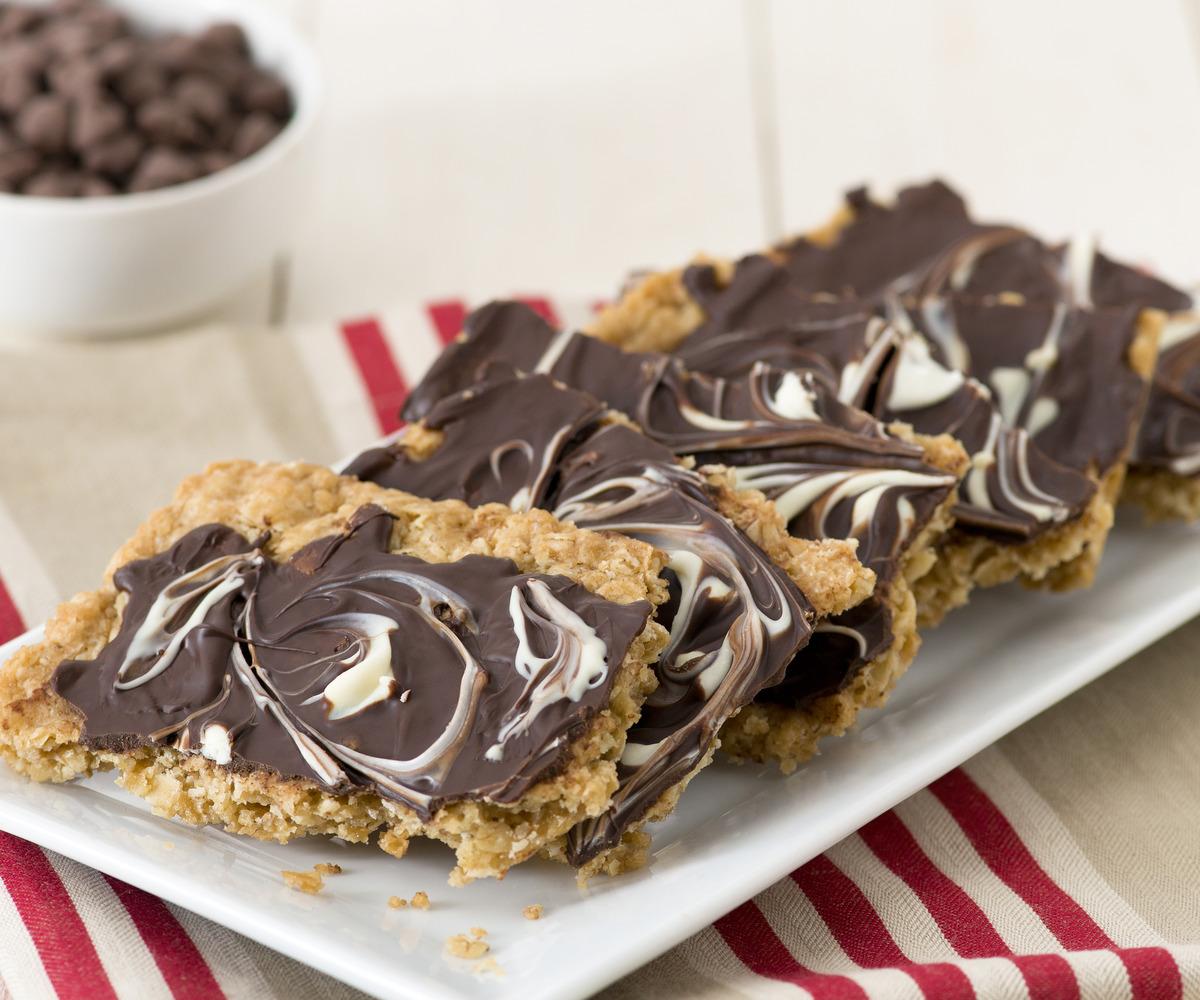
{"points": [[503, 440], [354, 666], [735, 619], [839, 648], [1062, 374], [926, 245], [883, 246], [1014, 488], [1170, 434], [835, 472]]}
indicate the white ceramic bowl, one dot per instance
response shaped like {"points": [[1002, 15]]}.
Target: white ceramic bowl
{"points": [[128, 263]]}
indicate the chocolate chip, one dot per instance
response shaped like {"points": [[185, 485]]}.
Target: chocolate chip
{"points": [[18, 164], [166, 121], [254, 133], [16, 20], [96, 187], [70, 38], [262, 92], [141, 82], [227, 36], [104, 23], [80, 76], [17, 88], [215, 160], [25, 55], [115, 156], [117, 56], [95, 120], [43, 123], [177, 53], [53, 183], [203, 97], [161, 167]]}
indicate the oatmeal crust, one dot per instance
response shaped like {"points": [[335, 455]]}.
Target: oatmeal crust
{"points": [[40, 733], [1162, 495]]}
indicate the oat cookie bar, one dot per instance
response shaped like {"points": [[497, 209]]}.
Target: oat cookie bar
{"points": [[798, 463], [926, 247], [944, 285], [282, 651], [736, 618]]}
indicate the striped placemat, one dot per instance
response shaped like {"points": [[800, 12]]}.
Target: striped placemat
{"points": [[1062, 863]]}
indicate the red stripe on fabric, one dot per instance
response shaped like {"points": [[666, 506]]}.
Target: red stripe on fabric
{"points": [[11, 624], [848, 914], [957, 915], [543, 308], [994, 838], [380, 374], [186, 973], [1047, 977], [758, 947], [58, 933], [864, 937], [448, 318], [1153, 973]]}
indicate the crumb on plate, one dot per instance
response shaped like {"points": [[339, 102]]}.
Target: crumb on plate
{"points": [[310, 882], [420, 901], [533, 911], [397, 902], [461, 946]]}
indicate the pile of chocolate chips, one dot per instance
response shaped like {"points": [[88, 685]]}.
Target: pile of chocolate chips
{"points": [[91, 107]]}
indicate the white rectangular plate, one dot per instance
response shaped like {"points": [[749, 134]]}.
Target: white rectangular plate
{"points": [[992, 666]]}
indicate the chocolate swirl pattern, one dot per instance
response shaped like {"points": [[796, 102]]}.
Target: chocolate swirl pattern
{"points": [[843, 474], [735, 621], [926, 248], [353, 666], [1170, 433], [884, 364]]}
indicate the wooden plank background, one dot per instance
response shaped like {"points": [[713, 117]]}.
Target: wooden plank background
{"points": [[483, 149]]}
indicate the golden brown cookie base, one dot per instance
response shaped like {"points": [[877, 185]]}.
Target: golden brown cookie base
{"points": [[1064, 558], [40, 733], [827, 572], [1162, 495]]}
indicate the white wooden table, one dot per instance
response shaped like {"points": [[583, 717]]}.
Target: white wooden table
{"points": [[488, 148]]}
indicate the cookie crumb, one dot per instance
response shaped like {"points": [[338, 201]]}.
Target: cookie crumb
{"points": [[478, 932], [396, 903], [310, 882], [327, 868], [461, 946], [533, 911], [489, 964], [420, 901]]}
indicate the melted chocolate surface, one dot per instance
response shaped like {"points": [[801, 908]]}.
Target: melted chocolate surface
{"points": [[833, 471], [736, 621], [926, 247], [354, 666]]}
